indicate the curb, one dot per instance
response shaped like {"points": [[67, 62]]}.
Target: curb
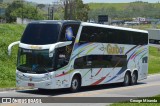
{"points": [[14, 89]]}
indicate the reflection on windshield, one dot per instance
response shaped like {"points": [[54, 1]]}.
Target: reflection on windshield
{"points": [[34, 61]]}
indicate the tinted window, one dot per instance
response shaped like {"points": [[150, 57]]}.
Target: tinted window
{"points": [[106, 35], [153, 41], [62, 56], [39, 34], [74, 28], [100, 61]]}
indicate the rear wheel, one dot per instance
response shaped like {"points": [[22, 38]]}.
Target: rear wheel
{"points": [[134, 78], [127, 79], [75, 84]]}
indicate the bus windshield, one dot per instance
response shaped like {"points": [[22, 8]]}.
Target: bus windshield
{"points": [[34, 61], [40, 34]]}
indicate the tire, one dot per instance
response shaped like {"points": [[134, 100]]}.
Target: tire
{"points": [[134, 79], [127, 79], [75, 84]]}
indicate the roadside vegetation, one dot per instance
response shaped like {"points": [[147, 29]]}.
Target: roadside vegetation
{"points": [[12, 32], [8, 34], [125, 11]]}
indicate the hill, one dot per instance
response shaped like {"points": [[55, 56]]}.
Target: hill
{"points": [[118, 6]]}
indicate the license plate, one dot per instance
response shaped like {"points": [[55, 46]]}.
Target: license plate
{"points": [[31, 84]]}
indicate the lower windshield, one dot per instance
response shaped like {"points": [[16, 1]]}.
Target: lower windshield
{"points": [[34, 61]]}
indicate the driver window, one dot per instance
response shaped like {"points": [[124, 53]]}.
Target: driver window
{"points": [[63, 56]]}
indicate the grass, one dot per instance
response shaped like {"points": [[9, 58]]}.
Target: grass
{"points": [[12, 32], [154, 60], [8, 34], [139, 104]]}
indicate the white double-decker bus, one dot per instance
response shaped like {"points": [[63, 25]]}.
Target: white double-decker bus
{"points": [[71, 54]]}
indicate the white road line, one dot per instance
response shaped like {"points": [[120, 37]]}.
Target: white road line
{"points": [[153, 75], [4, 92]]}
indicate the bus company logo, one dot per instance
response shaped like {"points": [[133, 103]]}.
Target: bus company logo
{"points": [[35, 47], [114, 49]]}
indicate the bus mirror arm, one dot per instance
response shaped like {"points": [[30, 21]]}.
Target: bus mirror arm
{"points": [[58, 45], [11, 45]]}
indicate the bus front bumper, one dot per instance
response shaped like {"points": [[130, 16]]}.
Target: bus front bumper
{"points": [[30, 80]]}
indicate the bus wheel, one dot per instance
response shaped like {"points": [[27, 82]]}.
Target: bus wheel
{"points": [[134, 78], [75, 84], [127, 79]]}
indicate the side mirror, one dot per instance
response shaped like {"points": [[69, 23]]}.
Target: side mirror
{"points": [[58, 45], [11, 45]]}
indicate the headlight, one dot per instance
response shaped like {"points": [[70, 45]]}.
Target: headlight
{"points": [[46, 77], [19, 75]]}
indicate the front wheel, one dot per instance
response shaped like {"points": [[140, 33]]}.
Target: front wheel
{"points": [[75, 84], [127, 79]]}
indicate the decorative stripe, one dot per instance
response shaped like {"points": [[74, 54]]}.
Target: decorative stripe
{"points": [[100, 80], [143, 55], [131, 49], [65, 73], [98, 72], [86, 73], [91, 50]]}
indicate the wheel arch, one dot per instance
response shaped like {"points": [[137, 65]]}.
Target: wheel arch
{"points": [[128, 71], [77, 73]]}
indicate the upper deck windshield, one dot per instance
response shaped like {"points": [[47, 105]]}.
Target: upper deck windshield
{"points": [[41, 34]]}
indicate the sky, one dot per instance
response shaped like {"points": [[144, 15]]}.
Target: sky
{"points": [[97, 1]]}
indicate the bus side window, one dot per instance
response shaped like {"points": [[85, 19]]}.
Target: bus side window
{"points": [[80, 63]]}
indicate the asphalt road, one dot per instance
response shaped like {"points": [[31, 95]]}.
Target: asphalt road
{"points": [[144, 88]]}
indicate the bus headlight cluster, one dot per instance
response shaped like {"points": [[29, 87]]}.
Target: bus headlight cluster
{"points": [[46, 77], [19, 75]]}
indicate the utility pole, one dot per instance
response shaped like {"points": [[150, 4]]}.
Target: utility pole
{"points": [[22, 13], [52, 8], [50, 12], [22, 10]]}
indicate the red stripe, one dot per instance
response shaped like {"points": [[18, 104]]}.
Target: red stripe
{"points": [[100, 80], [133, 56], [61, 74], [98, 72]]}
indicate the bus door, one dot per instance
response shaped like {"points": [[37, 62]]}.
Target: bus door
{"points": [[61, 62]]}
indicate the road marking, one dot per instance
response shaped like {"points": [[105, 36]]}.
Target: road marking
{"points": [[91, 93], [4, 92], [153, 75]]}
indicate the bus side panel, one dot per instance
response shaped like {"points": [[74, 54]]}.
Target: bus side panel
{"points": [[138, 60]]}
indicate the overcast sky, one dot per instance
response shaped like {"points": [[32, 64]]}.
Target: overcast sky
{"points": [[97, 1]]}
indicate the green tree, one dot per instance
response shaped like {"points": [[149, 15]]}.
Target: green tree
{"points": [[75, 10], [23, 10]]}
